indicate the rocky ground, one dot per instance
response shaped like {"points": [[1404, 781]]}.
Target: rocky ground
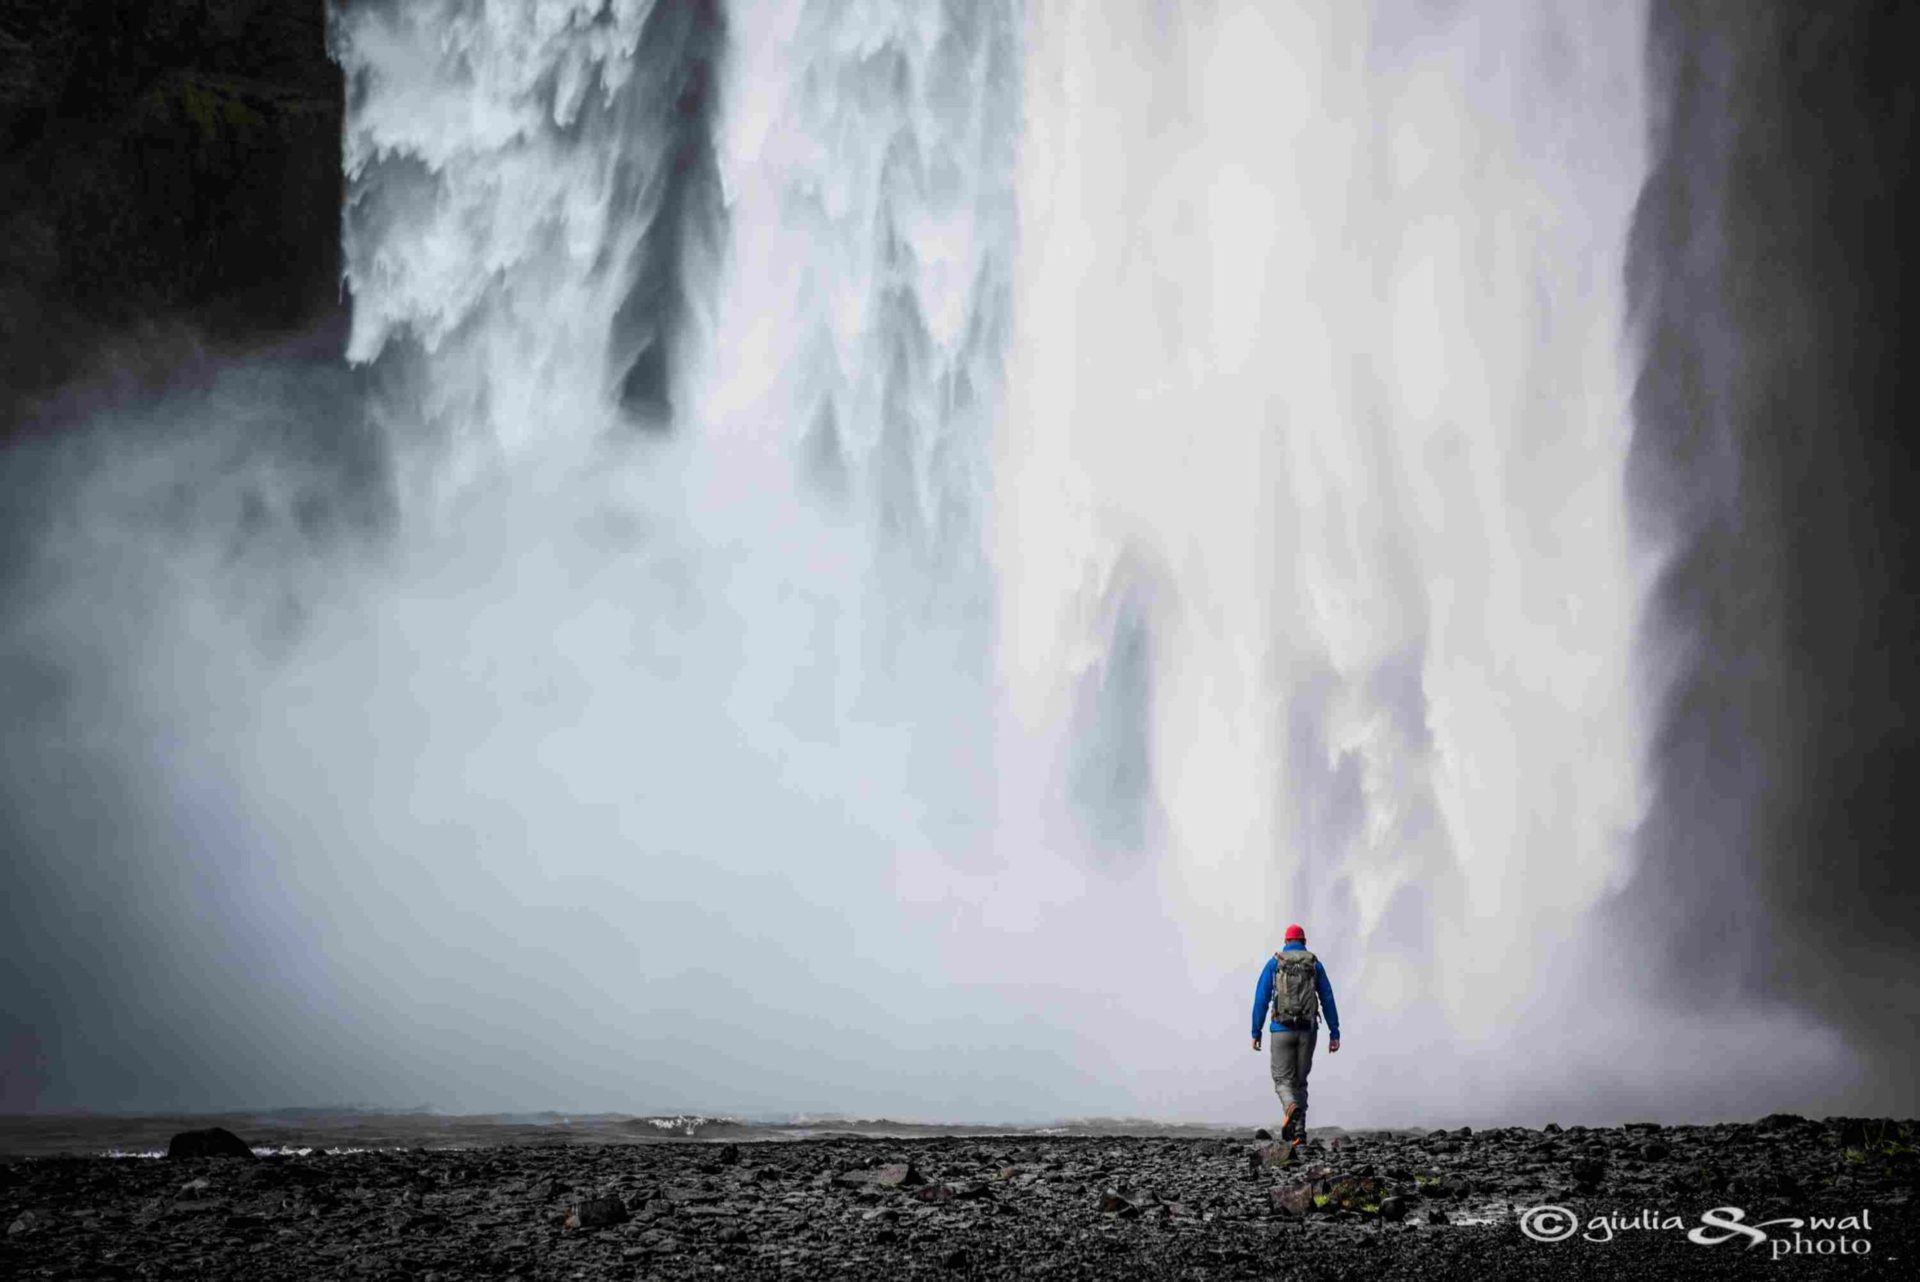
{"points": [[1354, 1205]]}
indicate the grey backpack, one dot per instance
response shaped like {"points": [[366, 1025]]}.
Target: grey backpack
{"points": [[1296, 995]]}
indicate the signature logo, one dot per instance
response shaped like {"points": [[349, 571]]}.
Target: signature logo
{"points": [[1730, 1220], [1549, 1223], [1792, 1235]]}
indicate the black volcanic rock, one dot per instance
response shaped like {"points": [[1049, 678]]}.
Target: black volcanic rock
{"points": [[211, 1141], [1071, 1208], [171, 168]]}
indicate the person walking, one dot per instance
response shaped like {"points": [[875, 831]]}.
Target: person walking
{"points": [[1292, 996]]}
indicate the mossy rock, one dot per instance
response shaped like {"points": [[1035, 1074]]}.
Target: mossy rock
{"points": [[1362, 1193]]}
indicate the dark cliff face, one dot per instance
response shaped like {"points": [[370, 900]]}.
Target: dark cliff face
{"points": [[1773, 285], [171, 177]]}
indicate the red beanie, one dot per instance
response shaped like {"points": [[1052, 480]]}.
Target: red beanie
{"points": [[1294, 932]]}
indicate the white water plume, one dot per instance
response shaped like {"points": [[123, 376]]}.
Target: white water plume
{"points": [[1320, 358]]}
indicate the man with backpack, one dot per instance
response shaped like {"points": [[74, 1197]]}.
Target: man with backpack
{"points": [[1293, 993]]}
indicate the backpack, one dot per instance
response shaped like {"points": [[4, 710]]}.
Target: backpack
{"points": [[1296, 995]]}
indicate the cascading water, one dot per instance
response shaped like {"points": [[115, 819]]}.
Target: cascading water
{"points": [[1320, 362], [1304, 511], [922, 535]]}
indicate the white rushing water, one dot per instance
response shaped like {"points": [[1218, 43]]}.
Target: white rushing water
{"points": [[922, 536], [1320, 372], [1200, 434]]}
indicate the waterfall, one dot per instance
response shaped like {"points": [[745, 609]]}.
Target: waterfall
{"points": [[1319, 397], [1187, 449], [916, 538]]}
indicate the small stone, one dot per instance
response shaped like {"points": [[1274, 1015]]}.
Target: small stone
{"points": [[1436, 1216], [1552, 1128], [954, 1259], [1269, 1154], [899, 1175], [729, 1154], [1263, 1134], [896, 1175], [26, 1222], [1586, 1171], [1294, 1200], [598, 1213], [1656, 1151], [730, 1235], [197, 1185], [1393, 1209], [212, 1141]]}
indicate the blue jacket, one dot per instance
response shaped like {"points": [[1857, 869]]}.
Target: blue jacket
{"points": [[1263, 994]]}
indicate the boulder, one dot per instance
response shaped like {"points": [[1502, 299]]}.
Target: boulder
{"points": [[212, 1141]]}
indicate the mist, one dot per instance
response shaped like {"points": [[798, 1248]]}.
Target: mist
{"points": [[870, 563]]}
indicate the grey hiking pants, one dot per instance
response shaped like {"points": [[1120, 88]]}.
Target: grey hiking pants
{"points": [[1291, 1056]]}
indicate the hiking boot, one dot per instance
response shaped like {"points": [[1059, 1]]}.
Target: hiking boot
{"points": [[1297, 1118], [1289, 1123]]}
